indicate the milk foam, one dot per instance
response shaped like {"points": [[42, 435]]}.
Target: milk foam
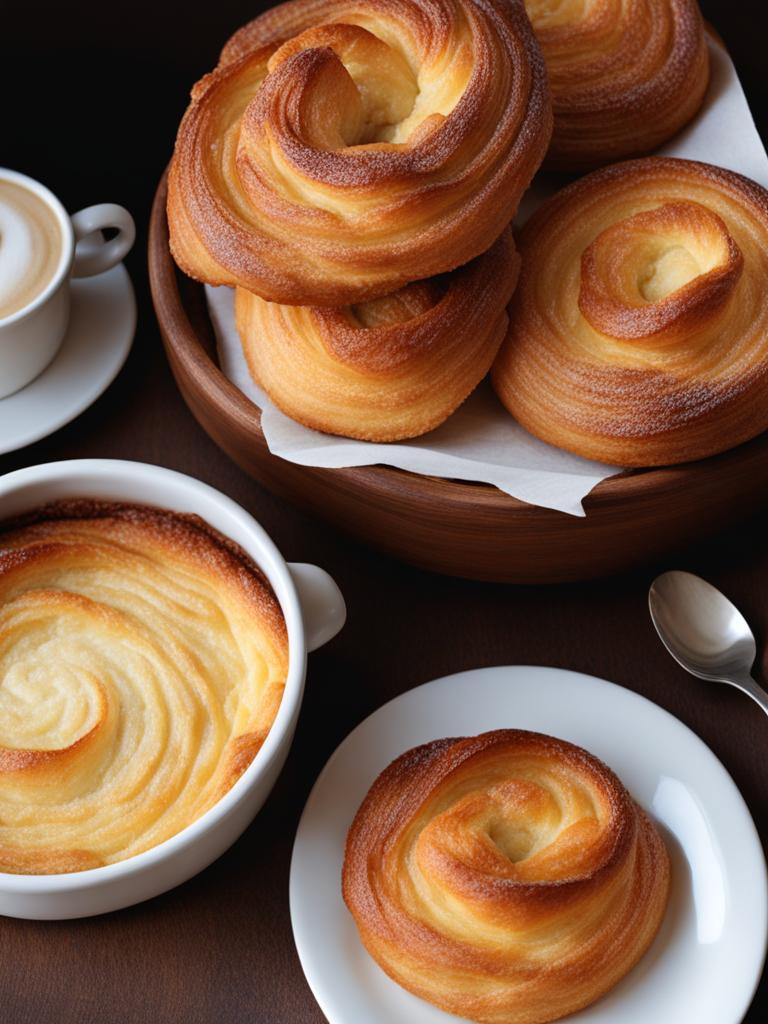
{"points": [[30, 246]]}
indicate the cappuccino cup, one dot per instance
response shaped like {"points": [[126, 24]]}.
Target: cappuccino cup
{"points": [[41, 249]]}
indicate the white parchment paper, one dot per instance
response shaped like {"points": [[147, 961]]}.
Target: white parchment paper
{"points": [[481, 441]]}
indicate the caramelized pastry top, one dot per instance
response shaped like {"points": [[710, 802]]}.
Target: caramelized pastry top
{"points": [[625, 75], [343, 148], [142, 662], [389, 368], [509, 878], [639, 330]]}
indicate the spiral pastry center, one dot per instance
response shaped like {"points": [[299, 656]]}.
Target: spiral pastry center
{"points": [[49, 699], [377, 87], [659, 273], [524, 824], [515, 828]]}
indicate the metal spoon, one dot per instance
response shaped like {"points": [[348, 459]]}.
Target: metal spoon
{"points": [[704, 632]]}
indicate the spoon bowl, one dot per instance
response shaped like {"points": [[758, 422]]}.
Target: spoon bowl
{"points": [[700, 627], [704, 632]]}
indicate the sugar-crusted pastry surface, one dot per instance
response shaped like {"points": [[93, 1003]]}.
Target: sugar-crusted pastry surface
{"points": [[142, 662], [625, 75], [639, 329], [343, 148], [389, 368], [508, 878]]}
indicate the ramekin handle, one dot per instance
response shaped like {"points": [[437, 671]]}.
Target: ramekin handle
{"points": [[322, 604]]}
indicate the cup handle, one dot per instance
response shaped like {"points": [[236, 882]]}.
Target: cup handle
{"points": [[97, 256], [322, 605]]}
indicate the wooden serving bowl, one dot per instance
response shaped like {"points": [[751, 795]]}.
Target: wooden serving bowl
{"points": [[452, 527]]}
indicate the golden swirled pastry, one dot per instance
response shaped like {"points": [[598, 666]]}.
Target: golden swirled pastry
{"points": [[639, 329], [343, 148], [508, 878], [389, 368], [142, 662], [625, 75]]}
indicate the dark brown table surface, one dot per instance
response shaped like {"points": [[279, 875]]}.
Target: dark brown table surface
{"points": [[91, 94]]}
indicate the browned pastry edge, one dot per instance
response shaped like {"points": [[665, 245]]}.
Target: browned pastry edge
{"points": [[183, 528]]}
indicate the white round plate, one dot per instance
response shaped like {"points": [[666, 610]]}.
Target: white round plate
{"points": [[102, 324], [707, 959]]}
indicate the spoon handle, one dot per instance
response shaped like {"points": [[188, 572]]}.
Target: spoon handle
{"points": [[754, 690]]}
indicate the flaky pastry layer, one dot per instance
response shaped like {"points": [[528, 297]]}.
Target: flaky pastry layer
{"points": [[142, 663], [343, 148], [508, 878], [639, 329], [625, 75], [389, 368]]}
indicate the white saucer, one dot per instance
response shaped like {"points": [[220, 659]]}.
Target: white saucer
{"points": [[707, 959], [101, 328]]}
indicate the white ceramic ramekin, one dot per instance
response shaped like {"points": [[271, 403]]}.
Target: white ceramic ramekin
{"points": [[314, 612]]}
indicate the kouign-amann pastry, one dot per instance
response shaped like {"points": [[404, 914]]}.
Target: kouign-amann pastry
{"points": [[343, 148], [143, 659], [508, 878], [639, 329], [389, 368], [625, 75]]}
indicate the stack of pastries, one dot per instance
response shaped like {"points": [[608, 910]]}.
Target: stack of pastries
{"points": [[341, 151], [352, 167]]}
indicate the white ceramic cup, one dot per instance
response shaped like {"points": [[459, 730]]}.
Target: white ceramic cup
{"points": [[31, 337], [314, 612]]}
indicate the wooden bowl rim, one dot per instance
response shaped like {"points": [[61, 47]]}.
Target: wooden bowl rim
{"points": [[232, 404]]}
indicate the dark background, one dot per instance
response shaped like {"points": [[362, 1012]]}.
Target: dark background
{"points": [[90, 96]]}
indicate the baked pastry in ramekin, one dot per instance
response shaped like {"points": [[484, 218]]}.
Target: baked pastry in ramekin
{"points": [[343, 148], [639, 328], [389, 368], [625, 75], [143, 659], [508, 878]]}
